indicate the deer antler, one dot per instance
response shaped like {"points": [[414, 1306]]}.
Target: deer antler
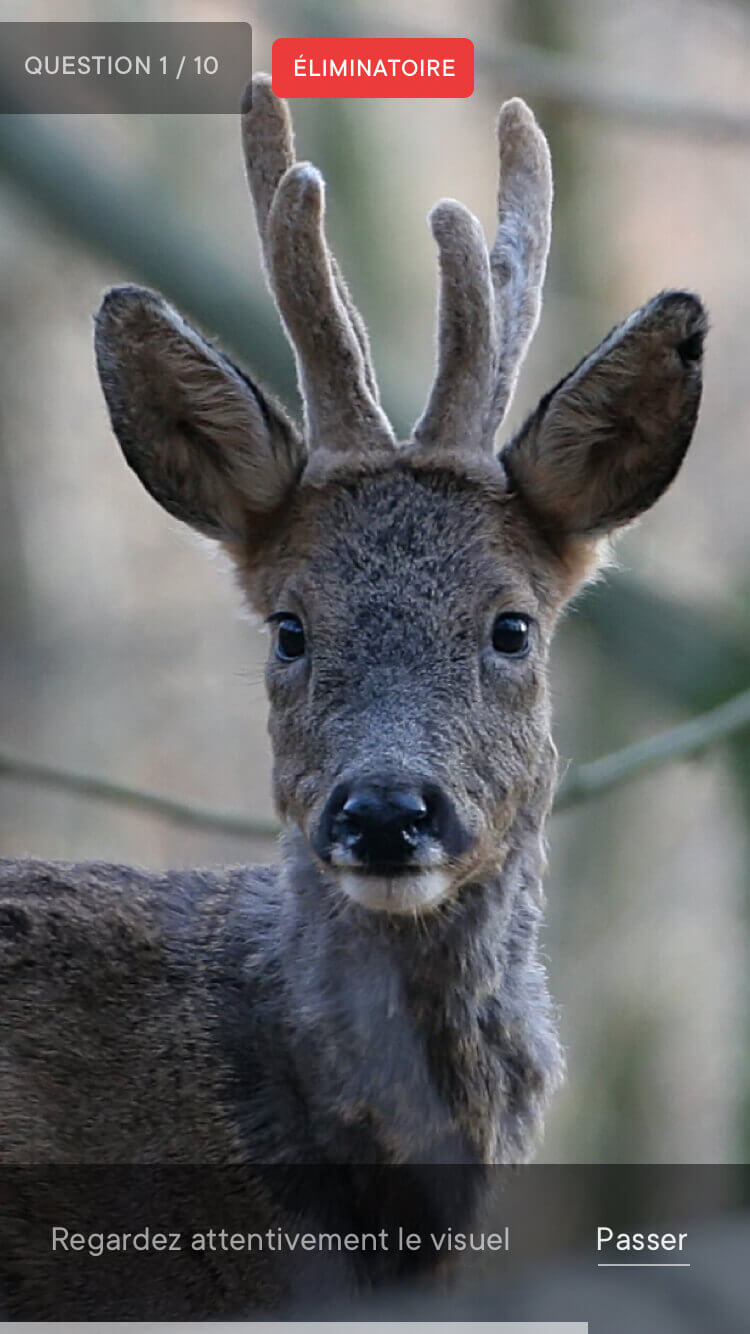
{"points": [[328, 336], [489, 302]]}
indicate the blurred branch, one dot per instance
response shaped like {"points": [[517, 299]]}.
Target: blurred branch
{"points": [[563, 80], [678, 743], [582, 783], [115, 218], [20, 770]]}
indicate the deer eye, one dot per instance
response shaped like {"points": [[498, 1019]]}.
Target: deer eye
{"points": [[510, 634], [290, 637]]}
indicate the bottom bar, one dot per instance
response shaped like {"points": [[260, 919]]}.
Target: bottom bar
{"points": [[295, 1327]]}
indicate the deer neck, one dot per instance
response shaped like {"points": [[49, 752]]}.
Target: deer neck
{"points": [[421, 1040]]}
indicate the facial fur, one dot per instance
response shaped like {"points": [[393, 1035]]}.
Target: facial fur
{"points": [[397, 579]]}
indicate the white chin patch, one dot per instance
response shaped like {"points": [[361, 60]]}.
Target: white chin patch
{"points": [[405, 893]]}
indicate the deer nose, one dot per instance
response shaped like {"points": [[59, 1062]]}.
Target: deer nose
{"points": [[367, 806], [381, 824]]}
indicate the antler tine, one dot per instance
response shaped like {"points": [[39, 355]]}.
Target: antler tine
{"points": [[489, 303], [467, 340], [341, 414], [268, 143], [268, 146], [518, 259]]}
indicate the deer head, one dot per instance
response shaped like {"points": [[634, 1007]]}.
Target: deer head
{"points": [[413, 587]]}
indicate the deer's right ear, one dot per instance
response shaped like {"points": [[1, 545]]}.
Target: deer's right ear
{"points": [[204, 441], [605, 443]]}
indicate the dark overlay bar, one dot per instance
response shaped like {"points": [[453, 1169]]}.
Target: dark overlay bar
{"points": [[124, 67]]}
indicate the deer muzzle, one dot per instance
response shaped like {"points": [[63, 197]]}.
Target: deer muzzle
{"points": [[391, 841]]}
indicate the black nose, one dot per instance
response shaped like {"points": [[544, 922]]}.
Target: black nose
{"points": [[382, 824]]}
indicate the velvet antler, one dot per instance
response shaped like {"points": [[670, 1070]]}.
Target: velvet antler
{"points": [[489, 301], [337, 381]]}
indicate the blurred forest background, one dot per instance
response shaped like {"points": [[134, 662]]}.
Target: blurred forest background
{"points": [[122, 648]]}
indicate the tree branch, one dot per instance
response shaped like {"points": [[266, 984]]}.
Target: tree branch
{"points": [[678, 743], [20, 770]]}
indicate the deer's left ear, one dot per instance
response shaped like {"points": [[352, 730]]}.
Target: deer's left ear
{"points": [[605, 443]]}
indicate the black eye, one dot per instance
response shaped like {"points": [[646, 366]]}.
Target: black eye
{"points": [[510, 634], [290, 638]]}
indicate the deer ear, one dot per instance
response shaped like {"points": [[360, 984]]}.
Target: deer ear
{"points": [[605, 443], [202, 438]]}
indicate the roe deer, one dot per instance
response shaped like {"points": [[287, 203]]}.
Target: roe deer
{"points": [[377, 997]]}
